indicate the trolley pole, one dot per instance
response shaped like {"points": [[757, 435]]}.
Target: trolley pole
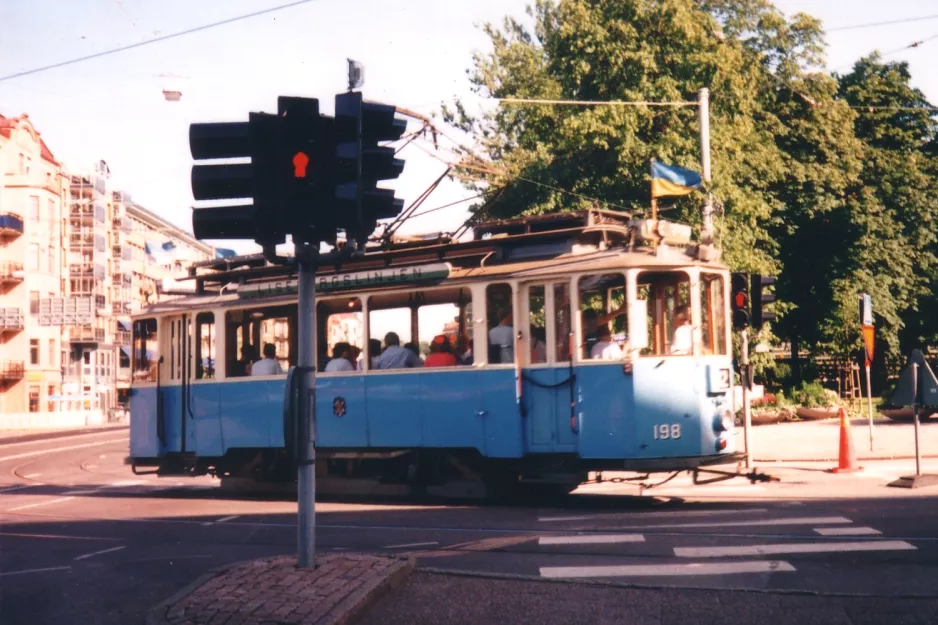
{"points": [[744, 370], [306, 255], [703, 109]]}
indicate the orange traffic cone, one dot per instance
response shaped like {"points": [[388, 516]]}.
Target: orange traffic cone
{"points": [[848, 456]]}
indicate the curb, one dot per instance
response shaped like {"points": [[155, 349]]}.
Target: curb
{"points": [[343, 613], [836, 459], [27, 438]]}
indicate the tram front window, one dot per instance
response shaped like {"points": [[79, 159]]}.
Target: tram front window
{"points": [[146, 350], [667, 297], [603, 316]]}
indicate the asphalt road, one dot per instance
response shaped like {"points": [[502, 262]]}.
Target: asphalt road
{"points": [[82, 539]]}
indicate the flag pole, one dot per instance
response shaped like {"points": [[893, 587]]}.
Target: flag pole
{"points": [[654, 200]]}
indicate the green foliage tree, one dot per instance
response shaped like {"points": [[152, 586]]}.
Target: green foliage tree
{"points": [[792, 167]]}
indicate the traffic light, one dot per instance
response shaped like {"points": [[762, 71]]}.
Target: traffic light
{"points": [[740, 301], [255, 139], [360, 163], [761, 297]]}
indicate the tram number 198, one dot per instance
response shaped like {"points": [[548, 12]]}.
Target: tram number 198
{"points": [[665, 431]]}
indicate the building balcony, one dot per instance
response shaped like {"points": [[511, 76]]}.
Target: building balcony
{"points": [[11, 272], [11, 225], [11, 320], [122, 338], [100, 302], [86, 270], [11, 370], [81, 240], [85, 335]]}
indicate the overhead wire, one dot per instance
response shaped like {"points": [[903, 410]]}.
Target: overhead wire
{"points": [[147, 42], [884, 23]]}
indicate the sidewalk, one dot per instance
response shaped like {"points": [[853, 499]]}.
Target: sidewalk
{"points": [[8, 437], [273, 591], [808, 441]]}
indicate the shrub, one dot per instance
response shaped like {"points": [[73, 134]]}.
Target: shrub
{"points": [[813, 395]]}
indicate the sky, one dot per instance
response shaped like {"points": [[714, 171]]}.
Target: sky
{"points": [[416, 55]]}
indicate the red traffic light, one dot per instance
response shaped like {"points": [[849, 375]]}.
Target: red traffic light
{"points": [[741, 300]]}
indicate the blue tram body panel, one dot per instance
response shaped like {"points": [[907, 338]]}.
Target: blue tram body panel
{"points": [[664, 408]]}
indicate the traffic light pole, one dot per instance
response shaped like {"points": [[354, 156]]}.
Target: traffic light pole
{"points": [[306, 256], [744, 370]]}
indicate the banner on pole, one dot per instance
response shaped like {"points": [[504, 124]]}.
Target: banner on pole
{"points": [[869, 338]]}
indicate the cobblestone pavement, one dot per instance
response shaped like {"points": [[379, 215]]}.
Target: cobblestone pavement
{"points": [[272, 591]]}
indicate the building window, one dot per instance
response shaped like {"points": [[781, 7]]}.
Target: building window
{"points": [[22, 164], [34, 351], [34, 399], [32, 258], [50, 403], [34, 302], [52, 351], [34, 208]]}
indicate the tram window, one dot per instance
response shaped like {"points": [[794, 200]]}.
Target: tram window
{"points": [[499, 316], [667, 294], [603, 308], [340, 322], [249, 331], [205, 346], [562, 326], [537, 303], [146, 350], [713, 314], [417, 319]]}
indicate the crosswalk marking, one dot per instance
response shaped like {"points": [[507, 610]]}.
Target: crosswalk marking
{"points": [[591, 539], [814, 520], [648, 515], [789, 548], [667, 570], [845, 531]]}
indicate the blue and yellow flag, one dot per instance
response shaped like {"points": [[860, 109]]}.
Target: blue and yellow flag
{"points": [[672, 180]]}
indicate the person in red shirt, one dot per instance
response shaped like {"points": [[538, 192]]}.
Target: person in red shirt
{"points": [[441, 353]]}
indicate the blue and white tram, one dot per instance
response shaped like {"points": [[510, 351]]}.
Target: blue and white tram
{"points": [[556, 399]]}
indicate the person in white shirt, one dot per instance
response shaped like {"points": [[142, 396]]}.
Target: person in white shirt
{"points": [[683, 341], [604, 348], [267, 365], [394, 356], [340, 358]]}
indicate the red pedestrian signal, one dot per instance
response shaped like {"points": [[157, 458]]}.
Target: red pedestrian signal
{"points": [[740, 300], [300, 161]]}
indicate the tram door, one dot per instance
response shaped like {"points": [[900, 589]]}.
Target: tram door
{"points": [[176, 385], [547, 384]]}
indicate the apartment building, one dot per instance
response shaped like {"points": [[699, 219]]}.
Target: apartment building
{"points": [[76, 260]]}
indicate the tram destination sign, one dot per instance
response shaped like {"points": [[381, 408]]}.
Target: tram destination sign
{"points": [[392, 276]]}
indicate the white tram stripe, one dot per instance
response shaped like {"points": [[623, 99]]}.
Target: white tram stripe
{"points": [[667, 570], [591, 539], [845, 531], [789, 548]]}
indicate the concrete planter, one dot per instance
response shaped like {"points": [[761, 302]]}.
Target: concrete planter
{"points": [[816, 414]]}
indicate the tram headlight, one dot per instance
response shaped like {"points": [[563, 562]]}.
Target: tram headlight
{"points": [[724, 421]]}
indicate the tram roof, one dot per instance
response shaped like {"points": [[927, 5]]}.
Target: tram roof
{"points": [[524, 247]]}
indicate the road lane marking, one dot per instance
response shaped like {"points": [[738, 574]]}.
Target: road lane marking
{"points": [[427, 544], [123, 483], [667, 570], [32, 475], [62, 536], [759, 550], [845, 531], [223, 519], [648, 515], [817, 520], [40, 452], [50, 568], [98, 553], [591, 539], [7, 490], [41, 503]]}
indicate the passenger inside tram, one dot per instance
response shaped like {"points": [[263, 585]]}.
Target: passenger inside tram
{"points": [[341, 358], [394, 356], [244, 366], [441, 353], [605, 348], [267, 365], [683, 340], [501, 338]]}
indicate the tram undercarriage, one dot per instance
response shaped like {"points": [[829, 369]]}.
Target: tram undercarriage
{"points": [[446, 473]]}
